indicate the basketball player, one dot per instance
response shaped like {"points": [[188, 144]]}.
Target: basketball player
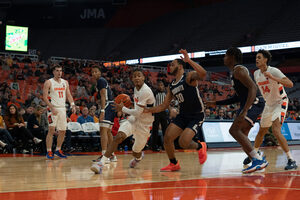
{"points": [[55, 92], [271, 82], [138, 124], [191, 114], [107, 114], [251, 106]]}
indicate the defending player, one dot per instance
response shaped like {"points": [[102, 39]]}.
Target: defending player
{"points": [[191, 114]]}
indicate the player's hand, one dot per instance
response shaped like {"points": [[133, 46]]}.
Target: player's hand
{"points": [[146, 110], [210, 104], [185, 54], [118, 107], [35, 126], [268, 75], [173, 113], [74, 109], [54, 111]]}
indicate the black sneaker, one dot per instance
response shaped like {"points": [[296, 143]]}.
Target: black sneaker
{"points": [[291, 165], [248, 160]]}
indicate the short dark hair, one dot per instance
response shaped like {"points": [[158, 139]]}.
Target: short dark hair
{"points": [[266, 54], [96, 66], [56, 66], [236, 53], [181, 62], [138, 70]]}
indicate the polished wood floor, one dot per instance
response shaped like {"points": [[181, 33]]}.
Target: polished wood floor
{"points": [[34, 177]]}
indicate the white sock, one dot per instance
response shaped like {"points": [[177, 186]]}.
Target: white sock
{"points": [[103, 152], [256, 149], [58, 148], [103, 159], [254, 154], [113, 154], [48, 150], [2, 144], [289, 155]]}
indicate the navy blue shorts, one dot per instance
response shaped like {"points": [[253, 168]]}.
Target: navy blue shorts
{"points": [[188, 121], [109, 115], [255, 110]]}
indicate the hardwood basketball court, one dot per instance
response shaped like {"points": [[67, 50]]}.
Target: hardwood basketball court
{"points": [[33, 177]]}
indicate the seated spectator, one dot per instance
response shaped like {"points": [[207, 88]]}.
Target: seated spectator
{"points": [[85, 117], [5, 137], [74, 116], [29, 111], [208, 114], [38, 125], [15, 124], [221, 114], [92, 114]]}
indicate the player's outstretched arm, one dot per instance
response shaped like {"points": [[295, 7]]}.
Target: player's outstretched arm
{"points": [[200, 71], [163, 106]]}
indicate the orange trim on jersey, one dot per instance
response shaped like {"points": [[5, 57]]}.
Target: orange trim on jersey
{"points": [[282, 114], [263, 82], [284, 103], [281, 88]]}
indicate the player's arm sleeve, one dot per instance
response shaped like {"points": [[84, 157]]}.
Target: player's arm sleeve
{"points": [[229, 101], [101, 84], [277, 73], [139, 107]]}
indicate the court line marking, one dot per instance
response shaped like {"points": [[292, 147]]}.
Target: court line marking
{"points": [[208, 187]]}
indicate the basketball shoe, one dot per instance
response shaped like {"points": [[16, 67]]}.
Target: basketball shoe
{"points": [[202, 153], [134, 162], [113, 158], [248, 160], [97, 167], [60, 154], [256, 165], [291, 165], [171, 167], [50, 155]]}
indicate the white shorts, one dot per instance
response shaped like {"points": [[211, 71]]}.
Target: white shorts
{"points": [[140, 132], [60, 120], [271, 113]]}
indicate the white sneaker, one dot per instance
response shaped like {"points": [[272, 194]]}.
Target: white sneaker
{"points": [[97, 167], [37, 140], [113, 158], [133, 163]]}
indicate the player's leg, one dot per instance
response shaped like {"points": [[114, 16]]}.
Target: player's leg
{"points": [[61, 127], [276, 129], [172, 132], [52, 120], [104, 138], [141, 135], [186, 139]]}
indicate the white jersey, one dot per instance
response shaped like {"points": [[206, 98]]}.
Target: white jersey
{"points": [[272, 91], [57, 93], [144, 97]]}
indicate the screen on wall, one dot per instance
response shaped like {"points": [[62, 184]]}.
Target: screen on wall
{"points": [[16, 38]]}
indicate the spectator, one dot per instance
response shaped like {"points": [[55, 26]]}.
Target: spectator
{"points": [[5, 137], [29, 111], [221, 114], [92, 114], [85, 117], [74, 116], [38, 125], [15, 124]]}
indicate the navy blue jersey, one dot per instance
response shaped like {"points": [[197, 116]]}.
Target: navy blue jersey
{"points": [[241, 90], [188, 97], [102, 83]]}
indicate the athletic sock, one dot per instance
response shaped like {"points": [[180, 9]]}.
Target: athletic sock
{"points": [[289, 155], [173, 160], [254, 154]]}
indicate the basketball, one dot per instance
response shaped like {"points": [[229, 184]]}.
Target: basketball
{"points": [[124, 98]]}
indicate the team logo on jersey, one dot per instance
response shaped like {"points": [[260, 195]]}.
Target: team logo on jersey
{"points": [[136, 99]]}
